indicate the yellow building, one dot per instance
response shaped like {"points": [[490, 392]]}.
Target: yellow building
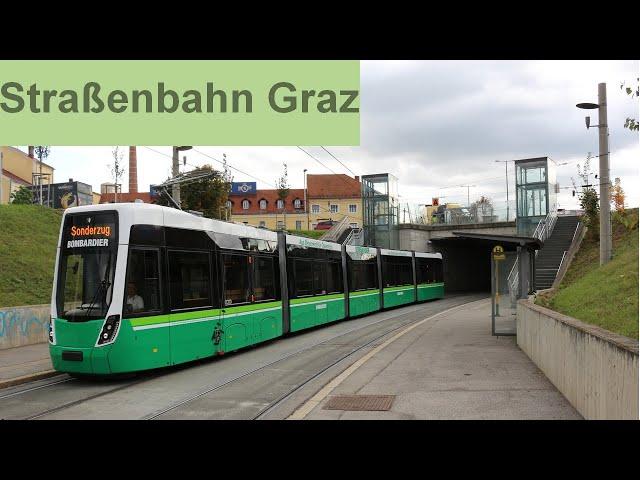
{"points": [[18, 169], [329, 198]]}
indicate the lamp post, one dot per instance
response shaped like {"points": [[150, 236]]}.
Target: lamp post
{"points": [[175, 190], [506, 181], [603, 145]]}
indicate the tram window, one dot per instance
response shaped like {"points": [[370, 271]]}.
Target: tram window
{"points": [[303, 274], [189, 279], [319, 279], [364, 275], [334, 277], [263, 279], [236, 279], [397, 271], [424, 270], [142, 294]]}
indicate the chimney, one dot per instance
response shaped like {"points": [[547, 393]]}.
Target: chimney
{"points": [[31, 147], [133, 170]]}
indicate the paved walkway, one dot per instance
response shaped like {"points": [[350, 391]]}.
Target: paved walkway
{"points": [[449, 367], [23, 364]]}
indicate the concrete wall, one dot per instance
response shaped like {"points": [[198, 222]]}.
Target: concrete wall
{"points": [[416, 237], [596, 370], [24, 325]]}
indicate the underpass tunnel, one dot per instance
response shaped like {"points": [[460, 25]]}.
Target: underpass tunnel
{"points": [[466, 259]]}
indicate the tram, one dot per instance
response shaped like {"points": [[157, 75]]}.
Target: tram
{"points": [[141, 286]]}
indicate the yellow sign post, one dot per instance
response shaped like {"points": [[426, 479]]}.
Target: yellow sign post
{"points": [[498, 256]]}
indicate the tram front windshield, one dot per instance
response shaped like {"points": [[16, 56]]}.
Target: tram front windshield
{"points": [[87, 266]]}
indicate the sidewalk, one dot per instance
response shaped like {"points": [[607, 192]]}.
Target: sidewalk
{"points": [[449, 367], [24, 364]]}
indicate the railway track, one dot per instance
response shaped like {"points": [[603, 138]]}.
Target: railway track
{"points": [[281, 377]]}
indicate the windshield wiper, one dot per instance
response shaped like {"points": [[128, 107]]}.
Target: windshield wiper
{"points": [[104, 284]]}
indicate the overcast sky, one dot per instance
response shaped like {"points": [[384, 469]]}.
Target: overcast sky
{"points": [[436, 124]]}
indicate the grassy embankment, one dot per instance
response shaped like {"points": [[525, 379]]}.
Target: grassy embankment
{"points": [[28, 236], [606, 296]]}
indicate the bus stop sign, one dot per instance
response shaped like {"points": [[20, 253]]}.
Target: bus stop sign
{"points": [[498, 253]]}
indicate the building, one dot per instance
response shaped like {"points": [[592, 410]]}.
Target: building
{"points": [[329, 198], [20, 169]]}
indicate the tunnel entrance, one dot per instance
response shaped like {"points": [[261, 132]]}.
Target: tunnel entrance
{"points": [[466, 259]]}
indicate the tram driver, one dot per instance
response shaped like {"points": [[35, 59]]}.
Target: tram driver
{"points": [[135, 303]]}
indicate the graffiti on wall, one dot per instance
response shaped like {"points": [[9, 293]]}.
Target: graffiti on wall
{"points": [[23, 326]]}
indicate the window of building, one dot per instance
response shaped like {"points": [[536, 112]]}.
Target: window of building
{"points": [[263, 279], [353, 208], [236, 279], [280, 225], [189, 279], [298, 224], [333, 208], [263, 204], [297, 203], [279, 203], [143, 283], [262, 223], [245, 204], [315, 208]]}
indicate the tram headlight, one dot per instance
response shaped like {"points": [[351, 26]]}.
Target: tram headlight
{"points": [[109, 330], [52, 336]]}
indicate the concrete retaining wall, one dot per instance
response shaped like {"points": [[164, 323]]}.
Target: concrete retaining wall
{"points": [[596, 370], [24, 325]]}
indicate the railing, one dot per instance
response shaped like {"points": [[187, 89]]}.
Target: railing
{"points": [[545, 227], [354, 237]]}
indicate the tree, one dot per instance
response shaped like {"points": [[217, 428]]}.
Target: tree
{"points": [[481, 208], [588, 199], [22, 196], [208, 195], [633, 92], [117, 170], [282, 184], [617, 196]]}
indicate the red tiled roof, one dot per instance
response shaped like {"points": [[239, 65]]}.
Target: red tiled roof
{"points": [[271, 196], [125, 197], [333, 186]]}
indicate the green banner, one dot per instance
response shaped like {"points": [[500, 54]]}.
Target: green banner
{"points": [[174, 102]]}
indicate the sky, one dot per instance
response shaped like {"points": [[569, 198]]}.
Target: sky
{"points": [[435, 125]]}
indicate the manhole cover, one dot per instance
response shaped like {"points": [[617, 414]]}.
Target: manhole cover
{"points": [[367, 403]]}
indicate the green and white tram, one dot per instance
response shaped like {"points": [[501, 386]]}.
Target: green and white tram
{"points": [[141, 286]]}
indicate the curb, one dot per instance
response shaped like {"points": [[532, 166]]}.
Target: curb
{"points": [[28, 378]]}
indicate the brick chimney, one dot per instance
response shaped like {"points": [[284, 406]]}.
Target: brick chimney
{"points": [[133, 170]]}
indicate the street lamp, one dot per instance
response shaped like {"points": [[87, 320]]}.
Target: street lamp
{"points": [[175, 191], [603, 144], [506, 180]]}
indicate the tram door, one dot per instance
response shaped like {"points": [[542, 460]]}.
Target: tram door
{"points": [[193, 317]]}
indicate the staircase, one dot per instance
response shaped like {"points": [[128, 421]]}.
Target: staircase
{"points": [[335, 233], [550, 257]]}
